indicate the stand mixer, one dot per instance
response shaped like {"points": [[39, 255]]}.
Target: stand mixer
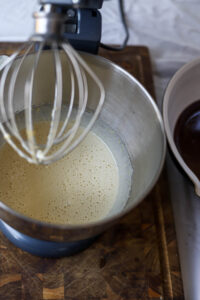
{"points": [[129, 113]]}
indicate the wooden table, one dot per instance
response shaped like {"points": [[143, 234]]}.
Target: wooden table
{"points": [[137, 259]]}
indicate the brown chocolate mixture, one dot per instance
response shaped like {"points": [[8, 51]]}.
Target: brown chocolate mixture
{"points": [[187, 136]]}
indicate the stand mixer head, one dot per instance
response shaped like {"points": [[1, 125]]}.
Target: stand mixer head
{"points": [[51, 24]]}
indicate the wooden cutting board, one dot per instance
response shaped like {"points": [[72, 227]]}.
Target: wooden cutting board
{"points": [[137, 259]]}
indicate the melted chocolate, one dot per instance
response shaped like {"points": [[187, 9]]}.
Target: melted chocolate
{"points": [[187, 136]]}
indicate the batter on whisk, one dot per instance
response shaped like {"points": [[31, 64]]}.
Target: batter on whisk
{"points": [[80, 188]]}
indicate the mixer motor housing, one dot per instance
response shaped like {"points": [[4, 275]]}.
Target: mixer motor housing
{"points": [[82, 24]]}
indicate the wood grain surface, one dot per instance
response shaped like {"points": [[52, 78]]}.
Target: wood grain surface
{"points": [[136, 259]]}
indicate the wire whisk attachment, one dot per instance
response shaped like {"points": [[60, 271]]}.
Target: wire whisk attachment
{"points": [[48, 32]]}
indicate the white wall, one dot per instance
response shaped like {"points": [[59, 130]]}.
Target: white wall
{"points": [[16, 19]]}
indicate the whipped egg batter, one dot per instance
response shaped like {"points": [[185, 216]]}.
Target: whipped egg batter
{"points": [[80, 188]]}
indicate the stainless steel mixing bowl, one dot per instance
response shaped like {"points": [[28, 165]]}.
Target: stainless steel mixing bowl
{"points": [[132, 113]]}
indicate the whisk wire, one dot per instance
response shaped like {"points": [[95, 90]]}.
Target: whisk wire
{"points": [[28, 106], [11, 115], [56, 111], [70, 106], [5, 122], [5, 125], [82, 89]]}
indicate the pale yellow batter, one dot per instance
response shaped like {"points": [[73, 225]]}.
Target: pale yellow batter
{"points": [[80, 188]]}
